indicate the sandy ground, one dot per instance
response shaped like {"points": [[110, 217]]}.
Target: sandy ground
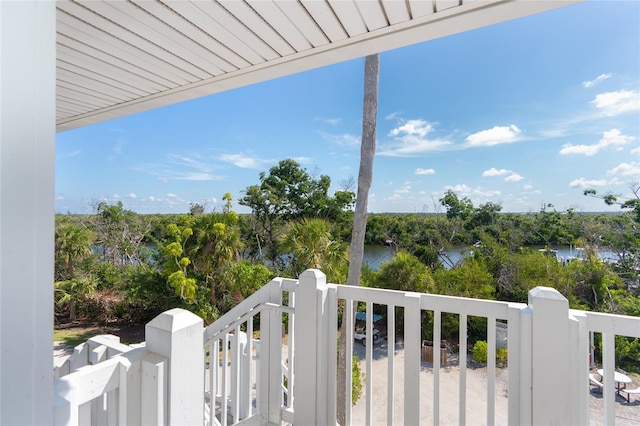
{"points": [[627, 414]]}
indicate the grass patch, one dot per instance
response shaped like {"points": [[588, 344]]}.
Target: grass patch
{"points": [[73, 337]]}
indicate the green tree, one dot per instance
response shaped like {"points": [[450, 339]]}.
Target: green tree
{"points": [[72, 292], [72, 244], [406, 273], [456, 207], [312, 245]]}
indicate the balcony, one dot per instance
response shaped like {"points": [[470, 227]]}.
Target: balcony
{"points": [[273, 360]]}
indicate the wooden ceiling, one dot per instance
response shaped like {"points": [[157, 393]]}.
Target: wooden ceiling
{"points": [[119, 57]]}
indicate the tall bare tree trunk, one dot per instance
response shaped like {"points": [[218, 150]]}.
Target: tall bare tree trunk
{"points": [[365, 176]]}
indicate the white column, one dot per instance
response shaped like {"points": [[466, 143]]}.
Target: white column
{"points": [[553, 357], [27, 139], [310, 370], [178, 335]]}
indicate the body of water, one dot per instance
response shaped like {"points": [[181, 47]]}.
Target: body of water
{"points": [[374, 255]]}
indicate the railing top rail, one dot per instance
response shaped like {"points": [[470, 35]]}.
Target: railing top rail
{"points": [[622, 325], [452, 304]]}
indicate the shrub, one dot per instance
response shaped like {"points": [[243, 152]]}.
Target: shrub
{"points": [[501, 355], [480, 349], [357, 380]]}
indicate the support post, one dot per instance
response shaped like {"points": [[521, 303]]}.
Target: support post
{"points": [[311, 393], [27, 158], [553, 360], [177, 335]]}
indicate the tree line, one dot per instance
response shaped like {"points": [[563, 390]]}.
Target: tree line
{"points": [[116, 264]]}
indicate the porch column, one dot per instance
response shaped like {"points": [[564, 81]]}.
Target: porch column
{"points": [[178, 335], [555, 365], [27, 143], [311, 391]]}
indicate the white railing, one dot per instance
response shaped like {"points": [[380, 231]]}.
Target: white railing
{"points": [[273, 359]]}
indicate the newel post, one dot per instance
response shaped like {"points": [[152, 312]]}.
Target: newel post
{"points": [[311, 392], [177, 335], [553, 360]]}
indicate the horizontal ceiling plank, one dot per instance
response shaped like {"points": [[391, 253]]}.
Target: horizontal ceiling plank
{"points": [[123, 85], [277, 20], [82, 32], [446, 4], [96, 66], [116, 60], [326, 19], [73, 86], [231, 47], [93, 84], [372, 14], [219, 54], [163, 35], [396, 11], [109, 28], [349, 16], [67, 93], [303, 22], [420, 8]]}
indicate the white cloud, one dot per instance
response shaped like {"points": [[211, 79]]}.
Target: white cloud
{"points": [[586, 183], [614, 103], [611, 137], [513, 178], [418, 128], [421, 171], [392, 116], [598, 79], [171, 195], [527, 187], [132, 195], [244, 161], [494, 136], [636, 151], [460, 188], [495, 172], [333, 121], [626, 169], [343, 139], [487, 193], [116, 196]]}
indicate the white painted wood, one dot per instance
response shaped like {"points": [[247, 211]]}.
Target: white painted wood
{"points": [[526, 366], [514, 361], [310, 390], [279, 22], [491, 371], [396, 11], [233, 43], [441, 5], [412, 347], [391, 352], [609, 366], [299, 16], [27, 139], [551, 359], [349, 16], [177, 335], [332, 359], [372, 14], [326, 19], [369, 363], [437, 323], [153, 390], [348, 318], [462, 386]]}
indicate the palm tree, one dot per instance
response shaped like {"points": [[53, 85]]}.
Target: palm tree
{"points": [[365, 175], [72, 244], [313, 246]]}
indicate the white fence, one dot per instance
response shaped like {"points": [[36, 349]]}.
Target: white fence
{"points": [[273, 359]]}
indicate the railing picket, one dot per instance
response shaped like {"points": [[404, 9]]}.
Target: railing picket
{"points": [[332, 348], [491, 371], [224, 395], [249, 357], [348, 321], [609, 366], [369, 362], [437, 322], [391, 346], [462, 363], [412, 359]]}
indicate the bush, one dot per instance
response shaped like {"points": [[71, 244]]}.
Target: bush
{"points": [[480, 349], [501, 355], [357, 380]]}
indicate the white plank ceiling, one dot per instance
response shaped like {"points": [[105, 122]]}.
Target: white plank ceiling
{"points": [[119, 57]]}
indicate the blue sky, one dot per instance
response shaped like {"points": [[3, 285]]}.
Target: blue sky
{"points": [[524, 113]]}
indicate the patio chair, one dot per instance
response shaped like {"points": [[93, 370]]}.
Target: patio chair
{"points": [[593, 380], [630, 392]]}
